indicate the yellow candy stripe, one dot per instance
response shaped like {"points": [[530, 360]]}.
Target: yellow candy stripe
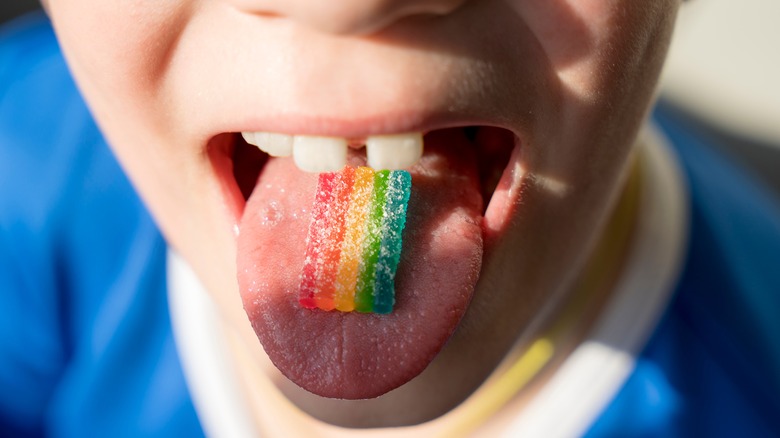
{"points": [[352, 247]]}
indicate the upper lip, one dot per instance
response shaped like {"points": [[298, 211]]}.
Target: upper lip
{"points": [[362, 126], [350, 118]]}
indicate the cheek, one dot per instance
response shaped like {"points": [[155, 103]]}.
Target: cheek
{"points": [[567, 30], [118, 51], [119, 47], [630, 43], [584, 39]]}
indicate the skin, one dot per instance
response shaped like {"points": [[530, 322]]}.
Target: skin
{"points": [[572, 79]]}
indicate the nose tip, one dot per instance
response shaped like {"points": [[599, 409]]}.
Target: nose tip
{"points": [[356, 17]]}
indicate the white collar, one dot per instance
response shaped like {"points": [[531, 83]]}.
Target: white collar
{"points": [[205, 357], [595, 371]]}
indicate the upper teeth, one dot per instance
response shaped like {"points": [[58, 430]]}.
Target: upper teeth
{"points": [[394, 152], [319, 154], [329, 154], [275, 145]]}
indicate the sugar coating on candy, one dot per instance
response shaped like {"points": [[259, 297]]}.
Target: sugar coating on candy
{"points": [[394, 221], [352, 247], [318, 231], [354, 242], [330, 252], [372, 241]]}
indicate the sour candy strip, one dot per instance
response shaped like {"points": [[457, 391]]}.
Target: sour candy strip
{"points": [[355, 240]]}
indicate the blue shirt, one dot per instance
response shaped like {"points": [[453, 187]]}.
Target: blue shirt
{"points": [[86, 347], [85, 342]]}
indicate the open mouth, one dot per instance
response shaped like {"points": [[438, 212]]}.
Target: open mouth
{"points": [[461, 195]]}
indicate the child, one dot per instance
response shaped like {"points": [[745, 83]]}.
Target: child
{"points": [[561, 274]]}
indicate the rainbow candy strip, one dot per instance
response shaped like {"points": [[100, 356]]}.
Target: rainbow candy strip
{"points": [[355, 238]]}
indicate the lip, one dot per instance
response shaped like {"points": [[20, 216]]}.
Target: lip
{"points": [[364, 125]]}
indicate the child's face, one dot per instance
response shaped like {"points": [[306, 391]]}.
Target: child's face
{"points": [[571, 79]]}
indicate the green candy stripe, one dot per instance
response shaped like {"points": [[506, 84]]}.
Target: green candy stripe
{"points": [[372, 242], [394, 221]]}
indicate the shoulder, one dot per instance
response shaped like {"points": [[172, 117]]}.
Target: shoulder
{"points": [[729, 287], [24, 42], [61, 190], [84, 326], [46, 132], [33, 75]]}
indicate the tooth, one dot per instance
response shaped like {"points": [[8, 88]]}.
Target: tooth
{"points": [[319, 154], [249, 137], [394, 152], [275, 145]]}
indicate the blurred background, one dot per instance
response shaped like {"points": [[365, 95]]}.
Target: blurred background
{"points": [[723, 72], [722, 75], [12, 8]]}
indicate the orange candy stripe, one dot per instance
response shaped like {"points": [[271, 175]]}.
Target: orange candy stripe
{"points": [[334, 235]]}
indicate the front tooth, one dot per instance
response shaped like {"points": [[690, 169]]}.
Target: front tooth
{"points": [[319, 154], [275, 145], [394, 151], [249, 137]]}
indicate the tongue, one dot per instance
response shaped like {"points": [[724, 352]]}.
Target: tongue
{"points": [[356, 355]]}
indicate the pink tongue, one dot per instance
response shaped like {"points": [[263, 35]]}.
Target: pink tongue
{"points": [[354, 355]]}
